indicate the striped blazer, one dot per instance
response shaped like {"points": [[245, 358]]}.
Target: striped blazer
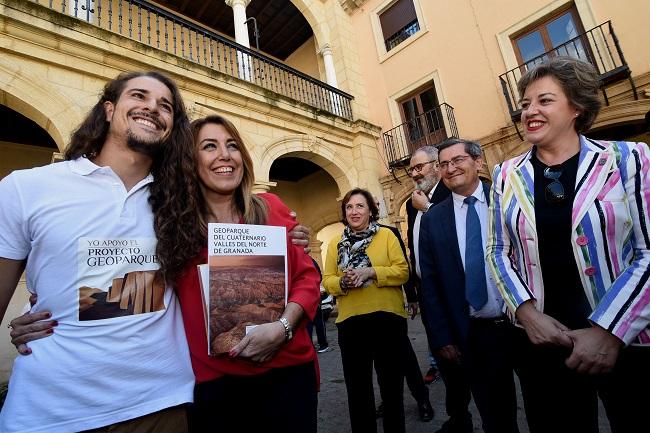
{"points": [[610, 235]]}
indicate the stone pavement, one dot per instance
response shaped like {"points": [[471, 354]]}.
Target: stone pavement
{"points": [[332, 406]]}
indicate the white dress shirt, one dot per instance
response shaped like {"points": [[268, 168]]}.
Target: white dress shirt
{"points": [[494, 305], [416, 233]]}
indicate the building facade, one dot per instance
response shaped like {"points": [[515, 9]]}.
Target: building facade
{"points": [[435, 69]]}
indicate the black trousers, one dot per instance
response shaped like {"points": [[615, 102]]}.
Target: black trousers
{"points": [[560, 400], [279, 401], [376, 337], [489, 360], [413, 374], [457, 392], [319, 324]]}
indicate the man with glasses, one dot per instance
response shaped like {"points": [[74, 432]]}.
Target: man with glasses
{"points": [[465, 324], [429, 191]]}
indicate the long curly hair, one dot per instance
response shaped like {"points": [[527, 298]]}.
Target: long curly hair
{"points": [[89, 137], [179, 207]]}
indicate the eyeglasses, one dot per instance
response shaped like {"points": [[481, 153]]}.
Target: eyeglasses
{"points": [[418, 167], [455, 161], [554, 191]]}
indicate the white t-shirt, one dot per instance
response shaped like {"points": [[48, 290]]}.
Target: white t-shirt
{"points": [[119, 351]]}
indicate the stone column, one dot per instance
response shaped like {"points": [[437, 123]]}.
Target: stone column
{"points": [[241, 36], [335, 102], [316, 251], [328, 60], [239, 15]]}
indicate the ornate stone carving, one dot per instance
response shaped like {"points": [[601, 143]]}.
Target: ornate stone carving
{"points": [[350, 5]]}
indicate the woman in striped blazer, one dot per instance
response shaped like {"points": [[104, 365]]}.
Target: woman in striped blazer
{"points": [[570, 251]]}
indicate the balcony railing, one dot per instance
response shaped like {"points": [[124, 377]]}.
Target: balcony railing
{"points": [[427, 129], [402, 34], [598, 46], [158, 28]]}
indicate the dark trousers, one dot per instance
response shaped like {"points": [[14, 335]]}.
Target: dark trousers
{"points": [[413, 374], [489, 359], [457, 391], [560, 400], [278, 401], [319, 324], [364, 339]]}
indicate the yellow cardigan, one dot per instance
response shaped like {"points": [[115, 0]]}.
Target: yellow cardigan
{"points": [[384, 294]]}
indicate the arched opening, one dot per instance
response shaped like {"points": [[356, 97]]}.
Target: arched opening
{"points": [[23, 143], [328, 234], [307, 189], [625, 131]]}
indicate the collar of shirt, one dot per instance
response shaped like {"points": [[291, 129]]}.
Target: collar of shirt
{"points": [[478, 193], [84, 167], [433, 190]]}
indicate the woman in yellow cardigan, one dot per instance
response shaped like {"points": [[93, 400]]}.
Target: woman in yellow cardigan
{"points": [[364, 269]]}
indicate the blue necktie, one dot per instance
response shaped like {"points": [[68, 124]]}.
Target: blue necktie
{"points": [[475, 285]]}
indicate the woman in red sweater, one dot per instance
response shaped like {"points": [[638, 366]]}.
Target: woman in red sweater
{"points": [[268, 381]]}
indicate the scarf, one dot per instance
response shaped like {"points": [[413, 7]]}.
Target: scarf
{"points": [[352, 247]]}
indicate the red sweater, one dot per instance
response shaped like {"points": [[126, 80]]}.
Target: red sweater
{"points": [[303, 290]]}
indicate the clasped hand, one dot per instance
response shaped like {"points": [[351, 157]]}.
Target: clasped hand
{"points": [[354, 278], [593, 350]]}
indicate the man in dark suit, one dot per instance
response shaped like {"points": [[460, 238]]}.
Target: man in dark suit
{"points": [[429, 191], [464, 310]]}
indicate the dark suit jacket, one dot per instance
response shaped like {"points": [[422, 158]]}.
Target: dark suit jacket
{"points": [[412, 286], [443, 277]]}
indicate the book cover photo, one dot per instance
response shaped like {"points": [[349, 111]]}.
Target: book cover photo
{"points": [[246, 282]]}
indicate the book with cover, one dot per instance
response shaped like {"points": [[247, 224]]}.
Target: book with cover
{"points": [[244, 283]]}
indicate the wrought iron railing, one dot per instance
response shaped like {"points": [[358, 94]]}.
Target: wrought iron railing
{"points": [[402, 34], [427, 129], [598, 46], [158, 28]]}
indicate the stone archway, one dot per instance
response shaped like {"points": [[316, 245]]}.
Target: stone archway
{"points": [[310, 148], [35, 99], [311, 10]]}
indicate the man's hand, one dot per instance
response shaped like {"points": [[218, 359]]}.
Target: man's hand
{"points": [[420, 200], [541, 328], [300, 234], [451, 353], [595, 350], [412, 309]]}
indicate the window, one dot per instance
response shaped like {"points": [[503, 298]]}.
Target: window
{"points": [[558, 34], [422, 117], [398, 23]]}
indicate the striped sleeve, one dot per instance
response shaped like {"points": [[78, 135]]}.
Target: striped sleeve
{"points": [[625, 308], [499, 247]]}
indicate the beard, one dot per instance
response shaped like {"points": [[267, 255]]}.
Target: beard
{"points": [[150, 148], [425, 185]]}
